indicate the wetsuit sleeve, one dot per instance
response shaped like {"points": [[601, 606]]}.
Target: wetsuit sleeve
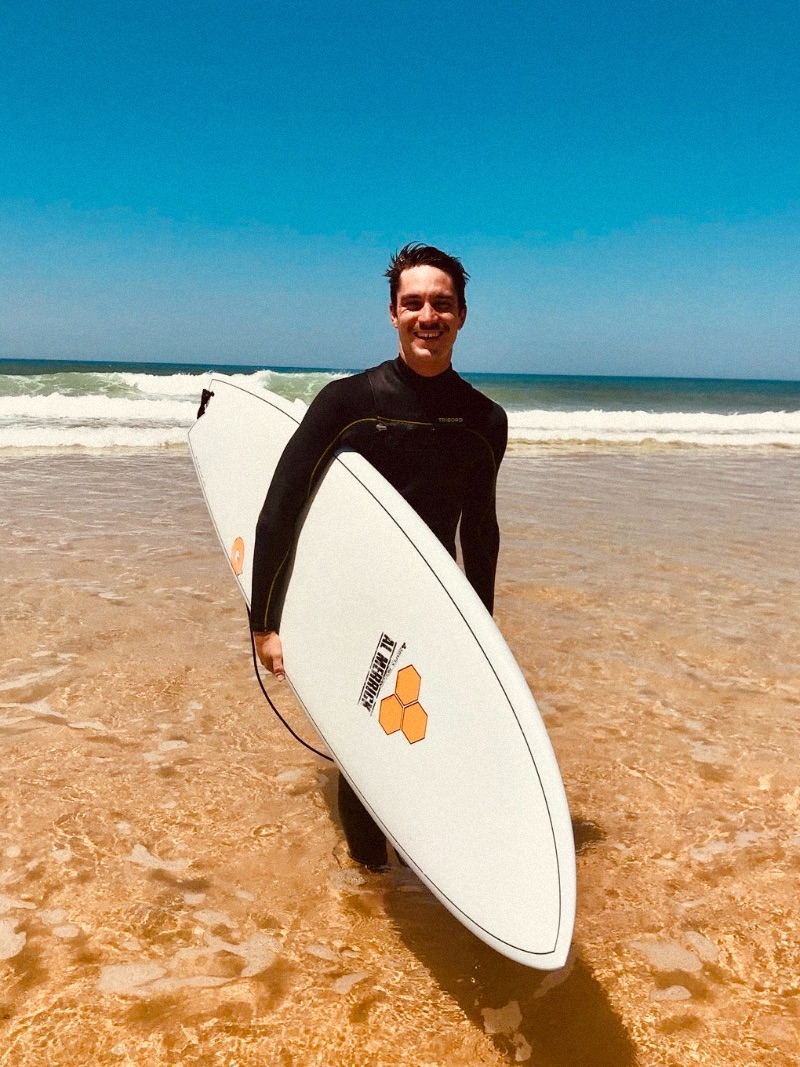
{"points": [[479, 531], [303, 462]]}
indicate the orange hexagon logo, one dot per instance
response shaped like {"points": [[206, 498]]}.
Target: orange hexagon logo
{"points": [[391, 714], [407, 685], [415, 722], [402, 710]]}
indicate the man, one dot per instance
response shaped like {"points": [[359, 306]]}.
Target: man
{"points": [[435, 438]]}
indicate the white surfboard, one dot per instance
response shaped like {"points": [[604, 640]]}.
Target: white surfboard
{"points": [[407, 679]]}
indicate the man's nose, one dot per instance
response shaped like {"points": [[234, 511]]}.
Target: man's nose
{"points": [[427, 312]]}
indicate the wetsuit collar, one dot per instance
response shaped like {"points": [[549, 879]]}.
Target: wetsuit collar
{"points": [[420, 381]]}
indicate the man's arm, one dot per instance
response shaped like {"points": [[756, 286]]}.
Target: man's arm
{"points": [[302, 464], [479, 531]]}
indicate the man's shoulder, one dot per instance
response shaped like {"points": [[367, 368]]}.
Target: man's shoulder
{"points": [[482, 408], [346, 392]]}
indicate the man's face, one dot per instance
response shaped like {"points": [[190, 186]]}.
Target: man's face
{"points": [[427, 318]]}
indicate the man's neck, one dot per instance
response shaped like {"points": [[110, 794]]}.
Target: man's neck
{"points": [[422, 369]]}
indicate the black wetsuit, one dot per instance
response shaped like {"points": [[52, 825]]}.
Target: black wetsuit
{"points": [[439, 442]]}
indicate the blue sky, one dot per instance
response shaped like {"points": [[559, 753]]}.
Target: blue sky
{"points": [[206, 181]]}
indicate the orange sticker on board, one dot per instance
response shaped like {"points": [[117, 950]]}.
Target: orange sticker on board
{"points": [[237, 556], [402, 710]]}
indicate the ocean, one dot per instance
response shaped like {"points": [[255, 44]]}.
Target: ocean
{"points": [[56, 405]]}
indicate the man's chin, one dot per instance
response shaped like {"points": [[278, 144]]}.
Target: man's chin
{"points": [[432, 354], [427, 363]]}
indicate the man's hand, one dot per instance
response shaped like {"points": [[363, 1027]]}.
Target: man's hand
{"points": [[270, 652]]}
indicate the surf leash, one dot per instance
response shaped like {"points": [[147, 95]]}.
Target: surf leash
{"points": [[296, 736]]}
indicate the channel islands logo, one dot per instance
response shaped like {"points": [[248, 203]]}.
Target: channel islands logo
{"points": [[402, 710]]}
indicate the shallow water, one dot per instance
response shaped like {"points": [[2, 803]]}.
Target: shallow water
{"points": [[173, 887]]}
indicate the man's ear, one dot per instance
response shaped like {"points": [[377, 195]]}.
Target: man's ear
{"points": [[462, 316], [393, 315]]}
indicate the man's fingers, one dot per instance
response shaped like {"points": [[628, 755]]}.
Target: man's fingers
{"points": [[277, 667], [260, 652], [270, 652]]}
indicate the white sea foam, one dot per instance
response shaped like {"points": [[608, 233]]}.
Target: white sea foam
{"points": [[56, 408], [123, 409], [291, 384], [127, 409], [668, 427]]}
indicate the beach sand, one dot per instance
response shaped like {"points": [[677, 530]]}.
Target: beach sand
{"points": [[173, 885]]}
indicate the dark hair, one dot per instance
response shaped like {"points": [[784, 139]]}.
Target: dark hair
{"points": [[416, 254]]}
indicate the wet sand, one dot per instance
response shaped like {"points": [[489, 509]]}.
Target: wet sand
{"points": [[173, 886]]}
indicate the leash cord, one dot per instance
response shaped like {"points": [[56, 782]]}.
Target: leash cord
{"points": [[296, 736]]}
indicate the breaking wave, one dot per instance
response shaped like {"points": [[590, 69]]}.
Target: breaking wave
{"points": [[131, 408]]}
